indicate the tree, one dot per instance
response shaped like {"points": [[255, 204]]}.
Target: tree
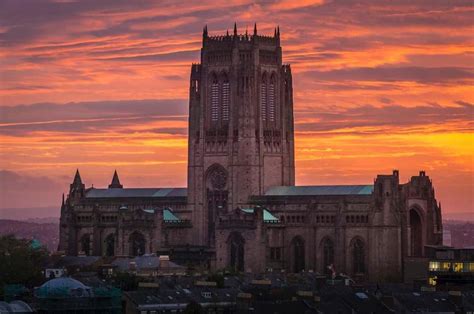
{"points": [[20, 262]]}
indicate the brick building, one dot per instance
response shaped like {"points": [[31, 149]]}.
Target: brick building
{"points": [[241, 208]]}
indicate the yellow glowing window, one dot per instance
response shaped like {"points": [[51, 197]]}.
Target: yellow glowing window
{"points": [[434, 266], [471, 267], [432, 281], [445, 266], [457, 267]]}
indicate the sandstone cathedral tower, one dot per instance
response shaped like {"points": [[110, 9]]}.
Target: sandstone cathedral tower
{"points": [[241, 208], [241, 139]]}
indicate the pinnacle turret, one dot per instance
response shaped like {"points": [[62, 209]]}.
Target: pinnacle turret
{"points": [[115, 184], [77, 179]]}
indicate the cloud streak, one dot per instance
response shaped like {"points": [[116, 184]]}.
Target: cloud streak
{"points": [[104, 84]]}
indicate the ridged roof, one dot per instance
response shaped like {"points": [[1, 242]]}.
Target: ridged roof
{"points": [[136, 192], [320, 190]]}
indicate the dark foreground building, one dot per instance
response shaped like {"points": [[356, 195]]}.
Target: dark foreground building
{"points": [[241, 208]]}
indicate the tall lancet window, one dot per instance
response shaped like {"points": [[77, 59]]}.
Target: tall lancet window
{"points": [[225, 99], [271, 99], [263, 98], [214, 100]]}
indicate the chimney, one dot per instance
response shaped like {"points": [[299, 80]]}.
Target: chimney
{"points": [[164, 261]]}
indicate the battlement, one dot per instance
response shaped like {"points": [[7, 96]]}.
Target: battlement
{"points": [[242, 38]]}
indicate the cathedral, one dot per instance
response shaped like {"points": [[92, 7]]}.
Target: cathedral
{"points": [[241, 209]]}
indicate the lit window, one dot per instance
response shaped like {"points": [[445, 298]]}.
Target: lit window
{"points": [[434, 266]]}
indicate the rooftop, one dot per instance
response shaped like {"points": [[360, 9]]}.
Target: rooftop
{"points": [[320, 190], [136, 192]]}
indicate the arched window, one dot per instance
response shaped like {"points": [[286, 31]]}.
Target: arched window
{"points": [[86, 244], [217, 194], [110, 245], [137, 244], [297, 250], [328, 255], [263, 98], [358, 256], [271, 99], [236, 245], [214, 100], [225, 99], [415, 234]]}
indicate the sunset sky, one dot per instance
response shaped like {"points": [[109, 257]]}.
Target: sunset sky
{"points": [[103, 85]]}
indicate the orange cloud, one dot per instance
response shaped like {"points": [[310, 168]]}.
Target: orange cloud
{"points": [[377, 86]]}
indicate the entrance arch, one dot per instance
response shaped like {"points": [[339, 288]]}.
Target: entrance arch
{"points": [[298, 254], [86, 244], [416, 233], [236, 246], [327, 250], [358, 257], [137, 244], [109, 243], [217, 195]]}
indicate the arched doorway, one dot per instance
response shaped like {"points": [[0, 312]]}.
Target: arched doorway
{"points": [[137, 244], [216, 191], [358, 257], [416, 236], [297, 250], [327, 249], [236, 244], [110, 245], [86, 244]]}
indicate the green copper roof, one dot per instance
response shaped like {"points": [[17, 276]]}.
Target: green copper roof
{"points": [[267, 216], [169, 216], [35, 244], [320, 190]]}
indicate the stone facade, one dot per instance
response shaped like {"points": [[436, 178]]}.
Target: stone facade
{"points": [[241, 208]]}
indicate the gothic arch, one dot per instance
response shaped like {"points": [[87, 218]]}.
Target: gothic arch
{"points": [[236, 251], [358, 256], [326, 247], [271, 98], [224, 96], [223, 76], [137, 243], [109, 245], [85, 243], [214, 98], [415, 223], [216, 196], [297, 251]]}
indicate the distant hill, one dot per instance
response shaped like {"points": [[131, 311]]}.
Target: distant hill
{"points": [[46, 233], [27, 213]]}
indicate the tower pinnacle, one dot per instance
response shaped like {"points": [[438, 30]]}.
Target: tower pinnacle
{"points": [[115, 184], [77, 179]]}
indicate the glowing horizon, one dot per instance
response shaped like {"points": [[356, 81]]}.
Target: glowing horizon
{"points": [[103, 85]]}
